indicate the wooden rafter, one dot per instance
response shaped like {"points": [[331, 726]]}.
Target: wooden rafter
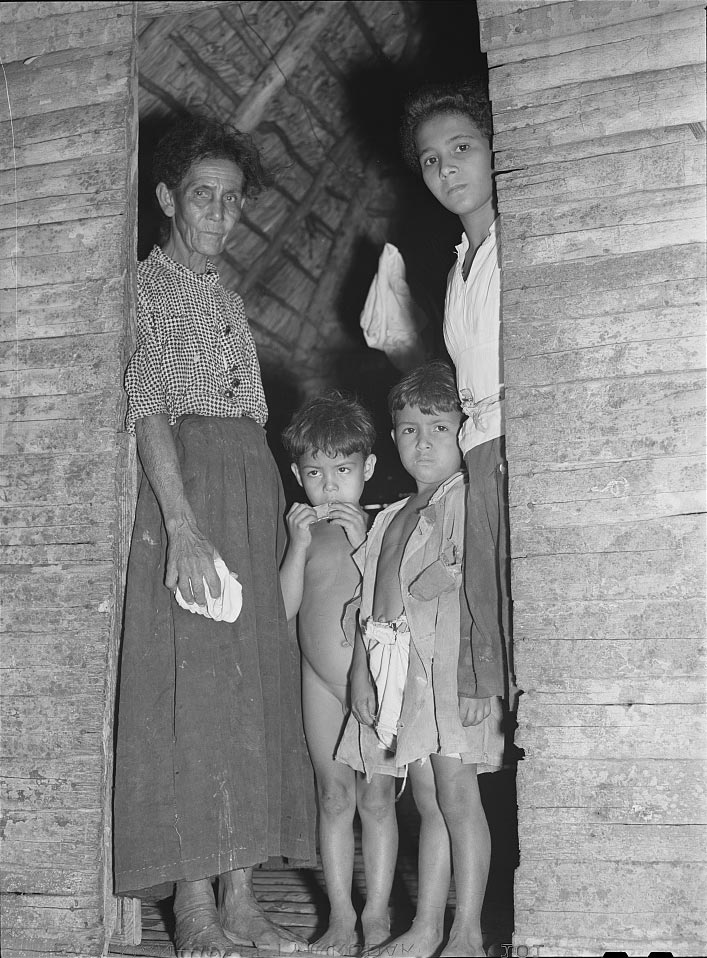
{"points": [[276, 74], [305, 206]]}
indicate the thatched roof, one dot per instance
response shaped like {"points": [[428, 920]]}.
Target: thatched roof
{"points": [[318, 84]]}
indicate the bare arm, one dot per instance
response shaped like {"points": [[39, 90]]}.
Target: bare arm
{"points": [[190, 555], [299, 519], [363, 693]]}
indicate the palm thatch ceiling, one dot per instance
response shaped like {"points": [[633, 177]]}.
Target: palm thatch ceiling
{"points": [[305, 78]]}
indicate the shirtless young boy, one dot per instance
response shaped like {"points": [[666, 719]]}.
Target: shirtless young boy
{"points": [[410, 601], [329, 441]]}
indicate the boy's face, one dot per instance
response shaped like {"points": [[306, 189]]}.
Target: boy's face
{"points": [[427, 445], [456, 163], [336, 478]]}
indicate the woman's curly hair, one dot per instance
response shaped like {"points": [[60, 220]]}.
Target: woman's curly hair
{"points": [[469, 98], [198, 138]]}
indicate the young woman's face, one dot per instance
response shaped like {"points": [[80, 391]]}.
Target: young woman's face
{"points": [[456, 163]]}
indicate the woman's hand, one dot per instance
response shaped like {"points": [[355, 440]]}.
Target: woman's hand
{"points": [[190, 555], [352, 519], [190, 561]]}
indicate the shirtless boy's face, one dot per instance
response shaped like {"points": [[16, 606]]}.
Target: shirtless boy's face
{"points": [[457, 163], [336, 478], [427, 445]]}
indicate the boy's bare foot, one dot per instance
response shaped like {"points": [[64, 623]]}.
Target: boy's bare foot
{"points": [[376, 930], [340, 938], [245, 923], [420, 941], [463, 946]]}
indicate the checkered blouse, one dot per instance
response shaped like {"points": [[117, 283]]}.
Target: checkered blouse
{"points": [[195, 352]]}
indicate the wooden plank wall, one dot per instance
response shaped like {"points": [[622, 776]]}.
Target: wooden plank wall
{"points": [[67, 239], [600, 151]]}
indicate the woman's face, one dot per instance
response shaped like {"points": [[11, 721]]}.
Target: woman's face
{"points": [[456, 163], [204, 209]]}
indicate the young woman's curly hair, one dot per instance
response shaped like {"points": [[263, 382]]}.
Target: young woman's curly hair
{"points": [[469, 98]]}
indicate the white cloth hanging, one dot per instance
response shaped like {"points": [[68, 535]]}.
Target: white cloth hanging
{"points": [[391, 320]]}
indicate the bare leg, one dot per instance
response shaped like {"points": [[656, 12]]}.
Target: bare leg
{"points": [[460, 801], [434, 871], [244, 921], [379, 834], [198, 932], [323, 715]]}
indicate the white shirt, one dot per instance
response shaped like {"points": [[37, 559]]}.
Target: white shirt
{"points": [[472, 334]]}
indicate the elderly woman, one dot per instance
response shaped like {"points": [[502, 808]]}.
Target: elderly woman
{"points": [[212, 775]]}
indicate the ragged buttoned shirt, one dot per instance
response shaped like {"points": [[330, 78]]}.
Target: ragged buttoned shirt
{"points": [[195, 352], [430, 578]]}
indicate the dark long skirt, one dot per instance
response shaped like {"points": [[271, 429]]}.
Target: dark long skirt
{"points": [[212, 772], [485, 660]]}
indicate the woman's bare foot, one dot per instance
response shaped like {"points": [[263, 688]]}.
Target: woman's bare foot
{"points": [[198, 932], [244, 921], [340, 938], [420, 941]]}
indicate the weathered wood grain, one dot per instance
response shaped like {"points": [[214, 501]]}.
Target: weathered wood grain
{"points": [[596, 790], [65, 478], [606, 671], [506, 27], [617, 891], [608, 618], [65, 923], [65, 365], [55, 435], [71, 78], [588, 842], [24, 874], [60, 309], [680, 535], [593, 277], [24, 36], [525, 158], [658, 574], [512, 84], [75, 828], [70, 651], [68, 714], [674, 158], [618, 108], [642, 206], [46, 587], [559, 326], [680, 354], [588, 243], [535, 484], [51, 744], [620, 733]]}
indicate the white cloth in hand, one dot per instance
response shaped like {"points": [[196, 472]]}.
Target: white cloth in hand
{"points": [[227, 607], [391, 320]]}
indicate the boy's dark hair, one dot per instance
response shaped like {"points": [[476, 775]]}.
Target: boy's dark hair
{"points": [[333, 424], [430, 388], [469, 98], [198, 138]]}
